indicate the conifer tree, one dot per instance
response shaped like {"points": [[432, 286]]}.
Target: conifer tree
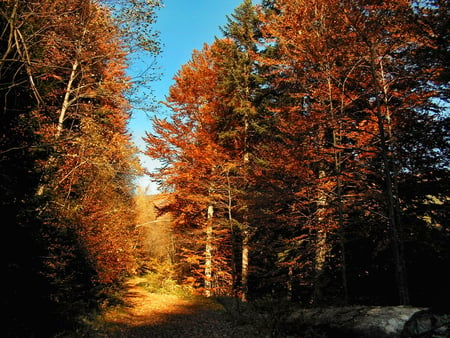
{"points": [[240, 126]]}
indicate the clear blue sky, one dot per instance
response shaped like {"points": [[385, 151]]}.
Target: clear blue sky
{"points": [[184, 25]]}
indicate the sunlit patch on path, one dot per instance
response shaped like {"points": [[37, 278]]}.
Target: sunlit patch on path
{"points": [[160, 315]]}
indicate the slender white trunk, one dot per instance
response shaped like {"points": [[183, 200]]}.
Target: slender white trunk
{"points": [[245, 230], [321, 232], [244, 279], [208, 251], [322, 245], [67, 101], [234, 243]]}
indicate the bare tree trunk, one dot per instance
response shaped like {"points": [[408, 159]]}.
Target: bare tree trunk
{"points": [[341, 232], [336, 134], [322, 245], [245, 230], [234, 243], [244, 278], [208, 251], [397, 245], [66, 101]]}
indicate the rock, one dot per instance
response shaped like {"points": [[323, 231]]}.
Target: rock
{"points": [[368, 322], [427, 324]]}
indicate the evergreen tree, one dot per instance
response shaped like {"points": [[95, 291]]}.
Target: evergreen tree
{"points": [[240, 126]]}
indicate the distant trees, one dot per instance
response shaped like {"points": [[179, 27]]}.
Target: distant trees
{"points": [[302, 129], [67, 162]]}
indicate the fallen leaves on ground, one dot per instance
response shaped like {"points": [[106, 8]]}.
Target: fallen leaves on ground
{"points": [[163, 315]]}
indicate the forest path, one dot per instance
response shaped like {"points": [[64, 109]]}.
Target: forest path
{"points": [[149, 314]]}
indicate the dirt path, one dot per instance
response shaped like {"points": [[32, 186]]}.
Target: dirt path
{"points": [[158, 315]]}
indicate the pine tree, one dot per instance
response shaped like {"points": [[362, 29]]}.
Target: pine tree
{"points": [[239, 128]]}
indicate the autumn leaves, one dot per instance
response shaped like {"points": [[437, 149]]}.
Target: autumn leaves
{"points": [[68, 163], [293, 128]]}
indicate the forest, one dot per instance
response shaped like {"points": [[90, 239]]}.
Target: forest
{"points": [[306, 157]]}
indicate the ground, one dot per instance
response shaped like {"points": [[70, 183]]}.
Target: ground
{"points": [[179, 315], [147, 314]]}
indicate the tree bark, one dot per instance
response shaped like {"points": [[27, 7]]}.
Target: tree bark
{"points": [[208, 251], [244, 277], [397, 245], [66, 101]]}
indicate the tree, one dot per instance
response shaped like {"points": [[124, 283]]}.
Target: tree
{"points": [[309, 68], [349, 69], [241, 124], [219, 120], [193, 172], [64, 61], [295, 150]]}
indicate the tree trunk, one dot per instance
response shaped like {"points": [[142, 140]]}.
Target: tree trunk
{"points": [[244, 277], [208, 251], [397, 245], [67, 101], [234, 242], [322, 243], [245, 230]]}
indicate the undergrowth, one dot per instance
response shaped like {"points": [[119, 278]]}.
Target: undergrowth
{"points": [[155, 282]]}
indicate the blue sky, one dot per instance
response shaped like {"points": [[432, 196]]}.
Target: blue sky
{"points": [[184, 26]]}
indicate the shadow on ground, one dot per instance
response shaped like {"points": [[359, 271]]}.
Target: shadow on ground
{"points": [[177, 318]]}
